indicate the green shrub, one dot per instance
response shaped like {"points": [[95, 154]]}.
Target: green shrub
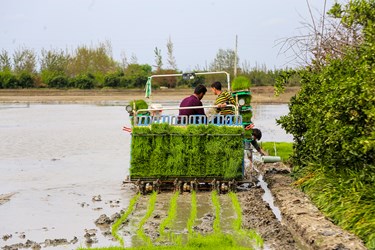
{"points": [[25, 80], [8, 80], [332, 120], [58, 82], [83, 82], [113, 80]]}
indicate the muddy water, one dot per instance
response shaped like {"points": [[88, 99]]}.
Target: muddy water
{"points": [[56, 158], [264, 118]]}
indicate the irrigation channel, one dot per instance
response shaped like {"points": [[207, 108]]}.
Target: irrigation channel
{"points": [[62, 169]]}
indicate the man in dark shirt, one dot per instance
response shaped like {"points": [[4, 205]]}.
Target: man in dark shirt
{"points": [[194, 100]]}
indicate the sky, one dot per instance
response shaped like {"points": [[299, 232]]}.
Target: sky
{"points": [[198, 29]]}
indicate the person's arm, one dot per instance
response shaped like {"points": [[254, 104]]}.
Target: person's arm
{"points": [[228, 99], [231, 99], [257, 147]]}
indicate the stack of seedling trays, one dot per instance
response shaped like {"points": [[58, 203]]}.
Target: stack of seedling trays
{"points": [[242, 94], [206, 152], [136, 105], [243, 98]]}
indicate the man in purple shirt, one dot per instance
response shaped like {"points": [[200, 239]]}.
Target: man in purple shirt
{"points": [[194, 100]]}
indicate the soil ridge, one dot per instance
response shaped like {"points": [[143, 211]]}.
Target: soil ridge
{"points": [[302, 218]]}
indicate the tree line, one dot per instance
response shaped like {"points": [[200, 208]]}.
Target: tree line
{"points": [[94, 67]]}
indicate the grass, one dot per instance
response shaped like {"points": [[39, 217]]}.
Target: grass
{"points": [[283, 149], [347, 197]]}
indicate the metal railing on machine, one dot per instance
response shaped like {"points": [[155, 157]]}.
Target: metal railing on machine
{"points": [[183, 120]]}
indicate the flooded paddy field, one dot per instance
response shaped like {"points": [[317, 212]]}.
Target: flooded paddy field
{"points": [[62, 168]]}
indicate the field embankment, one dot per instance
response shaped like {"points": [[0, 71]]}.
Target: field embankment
{"points": [[259, 95]]}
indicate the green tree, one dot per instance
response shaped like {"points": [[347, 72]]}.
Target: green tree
{"points": [[92, 60], [5, 61], [54, 61], [135, 75], [171, 59], [224, 60], [24, 60], [158, 59]]}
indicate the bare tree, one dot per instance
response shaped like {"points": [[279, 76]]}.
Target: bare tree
{"points": [[171, 58], [134, 59], [325, 36], [124, 60], [224, 60]]}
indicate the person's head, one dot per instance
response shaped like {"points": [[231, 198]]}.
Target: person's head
{"points": [[216, 88], [200, 90], [257, 134]]}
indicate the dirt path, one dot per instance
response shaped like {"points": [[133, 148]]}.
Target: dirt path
{"points": [[308, 225]]}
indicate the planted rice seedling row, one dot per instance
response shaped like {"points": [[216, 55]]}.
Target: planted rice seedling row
{"points": [[193, 237]]}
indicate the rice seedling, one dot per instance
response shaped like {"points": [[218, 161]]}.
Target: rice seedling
{"points": [[237, 223], [240, 83], [139, 104], [150, 209], [215, 240], [193, 215], [207, 242], [123, 218], [216, 203], [163, 151], [167, 222], [246, 116]]}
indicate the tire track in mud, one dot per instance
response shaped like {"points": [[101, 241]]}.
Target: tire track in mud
{"points": [[258, 215]]}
